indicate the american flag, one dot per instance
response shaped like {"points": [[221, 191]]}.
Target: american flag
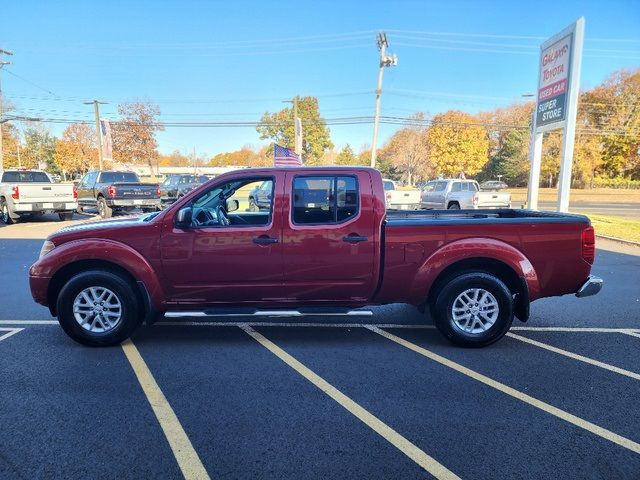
{"points": [[283, 157]]}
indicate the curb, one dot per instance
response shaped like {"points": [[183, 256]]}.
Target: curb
{"points": [[619, 240]]}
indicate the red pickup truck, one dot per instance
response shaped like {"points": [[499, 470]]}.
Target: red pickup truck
{"points": [[326, 242]]}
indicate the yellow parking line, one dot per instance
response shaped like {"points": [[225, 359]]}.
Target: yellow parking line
{"points": [[545, 407], [185, 454], [575, 356], [385, 431]]}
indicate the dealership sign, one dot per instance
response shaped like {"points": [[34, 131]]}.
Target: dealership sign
{"points": [[557, 106], [553, 83]]}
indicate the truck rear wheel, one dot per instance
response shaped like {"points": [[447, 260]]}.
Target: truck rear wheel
{"points": [[98, 308], [453, 206], [474, 309], [65, 216], [104, 210]]}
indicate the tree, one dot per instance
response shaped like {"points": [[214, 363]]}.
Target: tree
{"points": [[9, 145], [39, 147], [245, 157], [346, 156], [511, 161], [174, 159], [612, 110], [76, 151], [457, 143], [408, 152], [279, 128], [134, 136]]}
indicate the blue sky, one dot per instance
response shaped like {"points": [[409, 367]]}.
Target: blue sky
{"points": [[232, 61]]}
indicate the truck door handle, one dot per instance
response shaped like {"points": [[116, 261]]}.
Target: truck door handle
{"points": [[354, 239], [265, 240]]}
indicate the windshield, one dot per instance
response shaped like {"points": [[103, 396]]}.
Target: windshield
{"points": [[119, 177], [25, 177]]}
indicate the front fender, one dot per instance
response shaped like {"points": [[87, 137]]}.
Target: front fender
{"points": [[474, 248], [97, 249]]}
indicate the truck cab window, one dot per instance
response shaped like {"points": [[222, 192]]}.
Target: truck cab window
{"points": [[324, 200], [228, 205]]}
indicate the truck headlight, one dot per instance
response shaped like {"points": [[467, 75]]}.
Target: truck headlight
{"points": [[47, 246]]}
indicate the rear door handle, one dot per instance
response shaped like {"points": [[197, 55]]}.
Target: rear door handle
{"points": [[354, 239], [264, 240]]}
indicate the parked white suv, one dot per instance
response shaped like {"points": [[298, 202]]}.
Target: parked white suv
{"points": [[456, 194]]}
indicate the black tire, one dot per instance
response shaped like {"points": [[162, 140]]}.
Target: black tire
{"points": [[104, 210], [453, 206], [123, 289], [79, 210], [5, 215], [442, 309], [149, 210], [253, 206], [65, 216]]}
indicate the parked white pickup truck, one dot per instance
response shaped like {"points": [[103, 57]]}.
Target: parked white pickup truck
{"points": [[456, 194], [31, 192], [400, 199]]}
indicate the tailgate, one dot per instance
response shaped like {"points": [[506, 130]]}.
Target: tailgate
{"points": [[494, 199], [45, 192], [402, 197], [136, 190]]}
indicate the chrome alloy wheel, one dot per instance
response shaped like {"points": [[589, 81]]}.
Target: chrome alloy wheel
{"points": [[97, 309], [475, 310]]}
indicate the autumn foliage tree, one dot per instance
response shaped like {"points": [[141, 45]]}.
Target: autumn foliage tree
{"points": [[76, 151], [279, 128], [408, 151], [134, 135]]}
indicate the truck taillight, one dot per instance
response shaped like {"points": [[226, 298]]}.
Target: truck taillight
{"points": [[475, 199], [589, 245], [388, 196], [111, 191], [75, 192], [158, 192], [15, 192]]}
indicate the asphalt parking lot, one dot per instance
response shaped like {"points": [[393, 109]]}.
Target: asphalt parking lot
{"points": [[323, 398]]}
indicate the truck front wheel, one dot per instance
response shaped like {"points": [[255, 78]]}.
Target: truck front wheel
{"points": [[99, 308], [473, 309]]}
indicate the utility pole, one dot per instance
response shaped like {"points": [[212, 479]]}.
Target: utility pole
{"points": [[2, 64], [96, 107], [385, 61], [297, 127]]}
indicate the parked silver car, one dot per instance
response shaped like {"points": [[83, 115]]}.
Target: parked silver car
{"points": [[456, 194]]}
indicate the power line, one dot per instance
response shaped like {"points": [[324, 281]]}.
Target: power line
{"points": [[29, 82]]}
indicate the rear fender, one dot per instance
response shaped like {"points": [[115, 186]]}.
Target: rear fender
{"points": [[106, 251], [473, 249]]}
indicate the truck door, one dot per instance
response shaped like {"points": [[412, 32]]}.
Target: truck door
{"points": [[330, 244], [226, 255], [85, 190]]}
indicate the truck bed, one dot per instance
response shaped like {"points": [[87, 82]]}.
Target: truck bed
{"points": [[480, 216]]}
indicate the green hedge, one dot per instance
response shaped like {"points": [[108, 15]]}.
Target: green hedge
{"points": [[616, 183]]}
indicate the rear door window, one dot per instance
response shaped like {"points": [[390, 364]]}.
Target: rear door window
{"points": [[324, 199]]}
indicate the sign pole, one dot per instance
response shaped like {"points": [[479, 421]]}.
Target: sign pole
{"points": [[568, 140], [535, 158]]}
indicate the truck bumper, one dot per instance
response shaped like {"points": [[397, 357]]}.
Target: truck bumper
{"points": [[592, 286], [39, 287], [44, 207], [145, 203]]}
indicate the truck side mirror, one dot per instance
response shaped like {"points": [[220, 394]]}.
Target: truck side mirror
{"points": [[184, 217], [232, 205]]}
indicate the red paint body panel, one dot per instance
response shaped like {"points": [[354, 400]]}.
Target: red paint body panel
{"points": [[311, 264]]}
